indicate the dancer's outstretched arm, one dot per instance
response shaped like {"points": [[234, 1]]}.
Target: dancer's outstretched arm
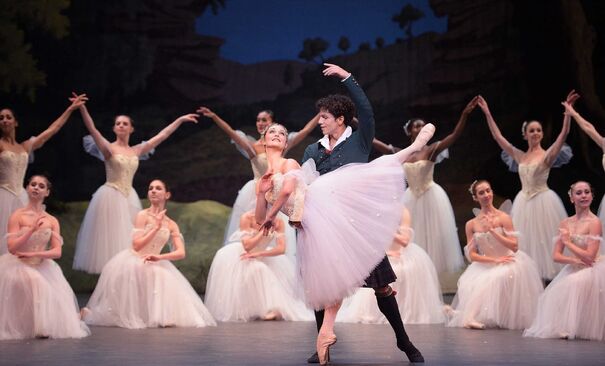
{"points": [[309, 127], [585, 125], [384, 148], [555, 148], [242, 142], [493, 128], [100, 141], [166, 132], [38, 141], [452, 137], [423, 138]]}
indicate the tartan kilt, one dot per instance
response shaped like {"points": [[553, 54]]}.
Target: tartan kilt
{"points": [[381, 275]]}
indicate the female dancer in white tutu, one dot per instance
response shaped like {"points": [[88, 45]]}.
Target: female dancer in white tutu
{"points": [[596, 137], [253, 150], [417, 287], [434, 223], [573, 304], [537, 210], [500, 288], [139, 287], [107, 225], [251, 278], [14, 157], [347, 219], [36, 299]]}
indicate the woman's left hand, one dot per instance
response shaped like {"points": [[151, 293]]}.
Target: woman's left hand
{"points": [[151, 258]]}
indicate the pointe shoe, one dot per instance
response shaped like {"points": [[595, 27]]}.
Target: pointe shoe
{"points": [[84, 312], [272, 315], [412, 352], [424, 136], [474, 325], [324, 341]]}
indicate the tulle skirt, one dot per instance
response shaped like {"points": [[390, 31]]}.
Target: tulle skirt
{"points": [[350, 218], [133, 294], [246, 201], [8, 204], [37, 301], [106, 228], [435, 228], [538, 219], [418, 293], [243, 290], [601, 214], [498, 295], [573, 304]]}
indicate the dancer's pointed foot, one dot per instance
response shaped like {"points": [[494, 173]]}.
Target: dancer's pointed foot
{"points": [[412, 352], [424, 136], [475, 325], [84, 312], [324, 341]]}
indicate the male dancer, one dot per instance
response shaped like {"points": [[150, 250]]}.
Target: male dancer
{"points": [[340, 146]]}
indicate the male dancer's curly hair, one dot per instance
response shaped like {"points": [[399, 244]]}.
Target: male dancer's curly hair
{"points": [[338, 105]]}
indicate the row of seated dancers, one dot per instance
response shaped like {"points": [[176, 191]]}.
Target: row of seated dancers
{"points": [[252, 278], [108, 229]]}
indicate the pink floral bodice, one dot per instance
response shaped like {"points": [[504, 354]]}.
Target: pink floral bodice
{"points": [[489, 246], [156, 244], [120, 170], [12, 170]]}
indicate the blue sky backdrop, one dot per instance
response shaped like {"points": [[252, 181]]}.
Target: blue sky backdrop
{"points": [[262, 30]]}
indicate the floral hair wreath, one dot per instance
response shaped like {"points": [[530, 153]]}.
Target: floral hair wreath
{"points": [[472, 187], [523, 127], [573, 185], [406, 126]]}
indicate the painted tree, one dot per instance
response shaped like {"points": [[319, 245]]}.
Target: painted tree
{"points": [[344, 44], [406, 17], [313, 48]]}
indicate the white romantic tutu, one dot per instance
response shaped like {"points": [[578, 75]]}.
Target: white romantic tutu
{"points": [[498, 295], [246, 201], [418, 293], [243, 290], [538, 219], [573, 304], [350, 218], [37, 301], [133, 294], [106, 228], [435, 227], [601, 214], [8, 204]]}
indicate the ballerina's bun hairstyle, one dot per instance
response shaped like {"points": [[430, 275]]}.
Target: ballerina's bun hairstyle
{"points": [[473, 188]]}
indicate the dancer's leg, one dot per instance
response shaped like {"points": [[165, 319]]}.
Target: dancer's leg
{"points": [[387, 304], [326, 336], [422, 139]]}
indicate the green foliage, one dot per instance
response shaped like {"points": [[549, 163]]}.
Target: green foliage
{"points": [[406, 17], [344, 44], [313, 48], [18, 66]]}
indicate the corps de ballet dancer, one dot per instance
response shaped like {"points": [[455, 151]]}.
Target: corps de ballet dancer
{"points": [[537, 210], [37, 301], [107, 225], [140, 287], [14, 157], [501, 286], [573, 304]]}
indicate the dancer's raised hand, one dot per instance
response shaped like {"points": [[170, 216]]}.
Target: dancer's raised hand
{"points": [[335, 70], [77, 101], [191, 117], [206, 112]]}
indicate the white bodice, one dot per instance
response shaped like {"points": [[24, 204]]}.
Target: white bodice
{"points": [[119, 170], [293, 208], [37, 242], [259, 165], [489, 246], [156, 243], [12, 170], [533, 178], [419, 176]]}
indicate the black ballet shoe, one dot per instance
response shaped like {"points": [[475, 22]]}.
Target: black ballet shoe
{"points": [[412, 352]]}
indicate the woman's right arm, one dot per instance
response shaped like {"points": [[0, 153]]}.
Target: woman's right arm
{"points": [[99, 140], [241, 141], [139, 241], [17, 239], [493, 128], [383, 148], [586, 126]]}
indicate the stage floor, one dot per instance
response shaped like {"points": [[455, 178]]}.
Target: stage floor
{"points": [[290, 343]]}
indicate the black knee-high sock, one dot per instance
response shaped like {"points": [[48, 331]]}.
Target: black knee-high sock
{"points": [[319, 319], [388, 306]]}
